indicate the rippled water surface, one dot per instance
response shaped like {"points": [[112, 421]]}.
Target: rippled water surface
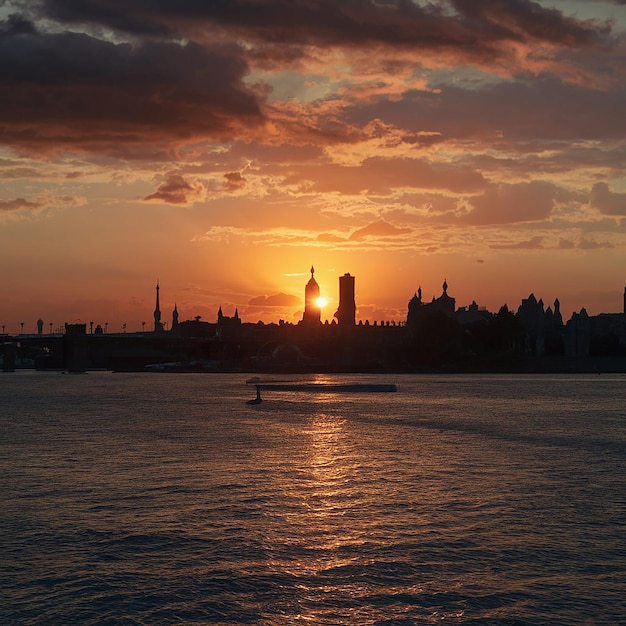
{"points": [[165, 499]]}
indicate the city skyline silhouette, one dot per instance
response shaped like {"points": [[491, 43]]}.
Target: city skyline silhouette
{"points": [[315, 309], [436, 335]]}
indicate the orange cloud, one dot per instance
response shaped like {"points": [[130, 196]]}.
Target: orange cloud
{"points": [[234, 181], [277, 300], [378, 229], [18, 204], [507, 204], [534, 243]]}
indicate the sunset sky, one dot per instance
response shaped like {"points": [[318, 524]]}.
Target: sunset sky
{"points": [[223, 147]]}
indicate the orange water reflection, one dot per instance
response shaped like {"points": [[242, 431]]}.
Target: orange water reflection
{"points": [[330, 517]]}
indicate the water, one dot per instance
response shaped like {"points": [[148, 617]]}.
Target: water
{"points": [[165, 499]]}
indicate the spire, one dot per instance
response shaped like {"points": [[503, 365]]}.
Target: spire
{"points": [[158, 326], [175, 317], [312, 271], [445, 286]]}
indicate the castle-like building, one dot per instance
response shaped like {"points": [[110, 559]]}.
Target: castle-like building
{"points": [[418, 310]]}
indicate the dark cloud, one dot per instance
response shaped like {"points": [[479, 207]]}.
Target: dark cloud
{"points": [[176, 190], [542, 111], [529, 20], [606, 201], [67, 90], [475, 26], [73, 90]]}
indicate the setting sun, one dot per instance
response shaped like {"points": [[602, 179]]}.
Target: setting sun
{"points": [[321, 302]]}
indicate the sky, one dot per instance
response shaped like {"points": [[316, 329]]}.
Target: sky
{"points": [[223, 148]]}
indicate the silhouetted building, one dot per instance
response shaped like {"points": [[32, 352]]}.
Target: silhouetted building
{"points": [[578, 334], [415, 309], [39, 326], [472, 314], [418, 309], [228, 327], [346, 313], [158, 325], [312, 312], [531, 316], [554, 330], [608, 334]]}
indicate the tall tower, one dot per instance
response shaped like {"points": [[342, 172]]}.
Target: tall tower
{"points": [[312, 312], [158, 325], [346, 313], [174, 327]]}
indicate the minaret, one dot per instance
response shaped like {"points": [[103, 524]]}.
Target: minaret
{"points": [[158, 325], [174, 319], [312, 312]]}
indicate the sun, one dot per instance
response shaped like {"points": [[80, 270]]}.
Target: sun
{"points": [[321, 302]]}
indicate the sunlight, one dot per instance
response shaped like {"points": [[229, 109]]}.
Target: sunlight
{"points": [[321, 302]]}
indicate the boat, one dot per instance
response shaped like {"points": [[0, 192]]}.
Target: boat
{"points": [[321, 387]]}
